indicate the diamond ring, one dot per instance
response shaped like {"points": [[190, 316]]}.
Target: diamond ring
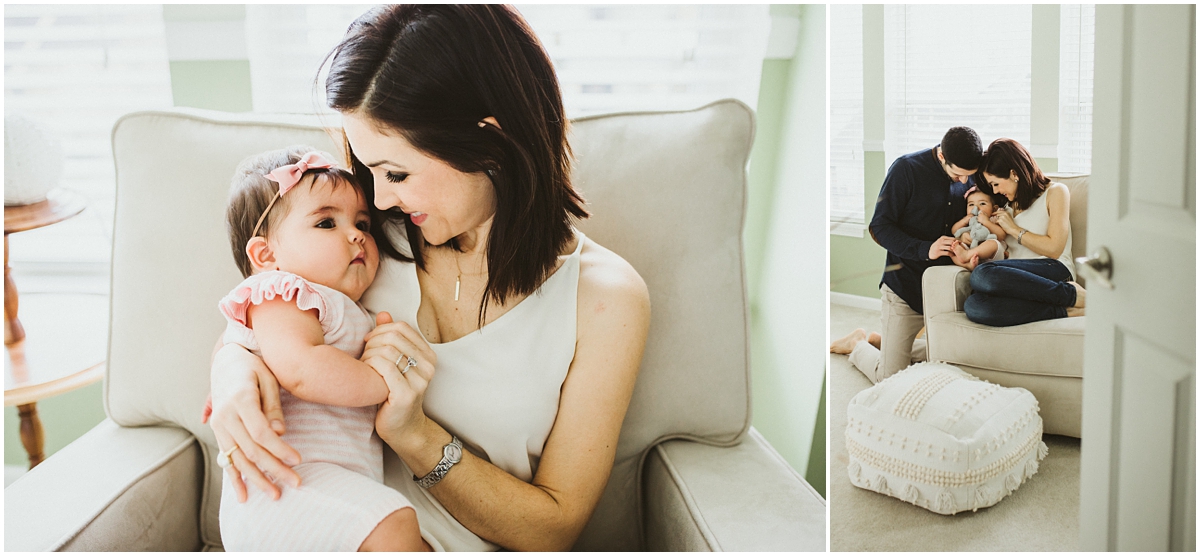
{"points": [[411, 363], [223, 459]]}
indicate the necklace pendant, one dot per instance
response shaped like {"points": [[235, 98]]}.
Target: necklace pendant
{"points": [[457, 282]]}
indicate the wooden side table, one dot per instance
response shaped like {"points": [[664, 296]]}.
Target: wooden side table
{"points": [[63, 353]]}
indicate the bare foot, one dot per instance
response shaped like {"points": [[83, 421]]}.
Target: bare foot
{"points": [[1075, 311], [845, 344], [1080, 296], [959, 249], [875, 339]]}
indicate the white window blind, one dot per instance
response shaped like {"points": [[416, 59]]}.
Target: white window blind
{"points": [[951, 65], [285, 45], [74, 70], [1077, 67], [846, 120], [670, 57], [608, 58]]}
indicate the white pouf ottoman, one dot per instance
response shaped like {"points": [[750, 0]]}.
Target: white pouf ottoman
{"points": [[942, 439]]}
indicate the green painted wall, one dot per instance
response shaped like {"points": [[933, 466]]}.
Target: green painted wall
{"points": [[212, 84], [776, 397], [856, 264], [817, 455], [64, 418], [772, 94]]}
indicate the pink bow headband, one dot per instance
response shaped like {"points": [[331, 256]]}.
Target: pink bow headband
{"points": [[970, 191], [288, 176]]}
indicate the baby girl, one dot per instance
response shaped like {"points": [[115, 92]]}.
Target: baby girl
{"points": [[979, 239], [300, 233]]}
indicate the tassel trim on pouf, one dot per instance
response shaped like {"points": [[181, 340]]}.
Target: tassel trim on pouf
{"points": [[946, 504], [983, 495]]}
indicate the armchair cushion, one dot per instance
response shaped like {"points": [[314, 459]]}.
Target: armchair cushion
{"points": [[1048, 348], [740, 498], [129, 489]]}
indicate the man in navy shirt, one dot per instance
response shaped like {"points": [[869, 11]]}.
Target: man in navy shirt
{"points": [[921, 198]]}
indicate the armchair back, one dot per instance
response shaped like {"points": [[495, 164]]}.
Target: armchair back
{"points": [[1078, 185], [666, 190]]}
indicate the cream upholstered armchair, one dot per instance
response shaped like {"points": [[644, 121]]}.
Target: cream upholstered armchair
{"points": [[667, 191], [1044, 357]]}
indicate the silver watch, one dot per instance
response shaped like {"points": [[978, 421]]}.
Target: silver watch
{"points": [[451, 454]]}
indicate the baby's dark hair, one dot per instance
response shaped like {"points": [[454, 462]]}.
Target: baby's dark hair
{"points": [[250, 194]]}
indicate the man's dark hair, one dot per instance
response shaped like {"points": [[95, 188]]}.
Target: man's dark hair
{"points": [[961, 147]]}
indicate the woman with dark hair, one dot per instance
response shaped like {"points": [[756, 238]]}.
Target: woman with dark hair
{"points": [[516, 340], [1036, 282]]}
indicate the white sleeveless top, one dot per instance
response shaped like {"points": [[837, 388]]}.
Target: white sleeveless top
{"points": [[1036, 219], [497, 389]]}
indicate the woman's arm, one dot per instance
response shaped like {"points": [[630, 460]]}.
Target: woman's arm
{"points": [[1058, 204], [293, 347], [247, 414], [550, 512]]}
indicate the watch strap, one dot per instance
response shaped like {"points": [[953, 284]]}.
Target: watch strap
{"points": [[451, 454]]}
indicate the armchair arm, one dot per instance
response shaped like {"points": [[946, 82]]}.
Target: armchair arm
{"points": [[944, 289], [114, 488], [738, 498]]}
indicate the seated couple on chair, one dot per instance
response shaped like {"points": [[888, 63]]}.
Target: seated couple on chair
{"points": [[1028, 274]]}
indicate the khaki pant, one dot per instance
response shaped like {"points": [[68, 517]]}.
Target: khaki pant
{"points": [[899, 347]]}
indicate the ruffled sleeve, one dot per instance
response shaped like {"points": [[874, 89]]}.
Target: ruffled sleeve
{"points": [[267, 286]]}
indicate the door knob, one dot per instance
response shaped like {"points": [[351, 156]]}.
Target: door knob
{"points": [[1097, 267]]}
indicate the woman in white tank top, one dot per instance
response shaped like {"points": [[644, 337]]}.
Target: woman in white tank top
{"points": [[516, 339], [1036, 281]]}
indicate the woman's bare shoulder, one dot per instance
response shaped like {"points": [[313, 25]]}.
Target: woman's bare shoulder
{"points": [[608, 283], [1058, 195], [1058, 189]]}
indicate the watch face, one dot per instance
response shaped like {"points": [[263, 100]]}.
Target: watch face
{"points": [[453, 453]]}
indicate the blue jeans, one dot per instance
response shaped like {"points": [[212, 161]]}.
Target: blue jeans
{"points": [[1019, 291]]}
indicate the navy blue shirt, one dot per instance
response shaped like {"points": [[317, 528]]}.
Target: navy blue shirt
{"points": [[918, 203]]}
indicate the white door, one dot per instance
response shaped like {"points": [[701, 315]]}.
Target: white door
{"points": [[1138, 467]]}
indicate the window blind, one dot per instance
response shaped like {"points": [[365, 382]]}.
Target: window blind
{"points": [[846, 120], [608, 58], [74, 70], [951, 65], [1077, 67], [666, 57], [286, 45]]}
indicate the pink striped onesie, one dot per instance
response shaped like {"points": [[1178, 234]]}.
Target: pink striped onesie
{"points": [[341, 497]]}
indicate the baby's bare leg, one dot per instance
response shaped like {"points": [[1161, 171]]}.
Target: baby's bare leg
{"points": [[398, 532], [985, 250]]}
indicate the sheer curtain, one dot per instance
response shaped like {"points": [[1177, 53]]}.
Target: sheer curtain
{"points": [[74, 70], [608, 58]]}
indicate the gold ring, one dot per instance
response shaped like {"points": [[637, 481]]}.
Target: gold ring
{"points": [[223, 459]]}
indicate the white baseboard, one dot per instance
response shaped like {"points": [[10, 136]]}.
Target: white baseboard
{"points": [[856, 301]]}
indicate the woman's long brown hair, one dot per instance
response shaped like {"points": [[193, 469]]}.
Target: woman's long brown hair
{"points": [[432, 73], [1003, 158]]}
